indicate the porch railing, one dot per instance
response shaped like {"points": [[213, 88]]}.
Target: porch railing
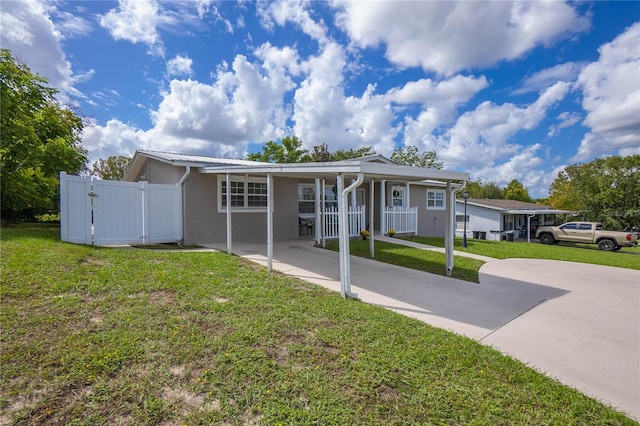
{"points": [[401, 219], [355, 218]]}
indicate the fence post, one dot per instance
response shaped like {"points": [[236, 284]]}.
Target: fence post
{"points": [[145, 212]]}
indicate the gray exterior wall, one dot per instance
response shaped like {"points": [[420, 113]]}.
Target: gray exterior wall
{"points": [[158, 172], [204, 224], [431, 223]]}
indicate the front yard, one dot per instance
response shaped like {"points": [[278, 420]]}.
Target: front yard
{"points": [[115, 336]]}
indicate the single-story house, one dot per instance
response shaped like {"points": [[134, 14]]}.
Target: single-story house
{"points": [[282, 201], [492, 218]]}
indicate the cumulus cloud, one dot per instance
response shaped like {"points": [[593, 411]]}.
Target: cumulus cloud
{"points": [[281, 12], [30, 34], [136, 21], [567, 119], [482, 137], [611, 89], [180, 66], [568, 71], [447, 37]]}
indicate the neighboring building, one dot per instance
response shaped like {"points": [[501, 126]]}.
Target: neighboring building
{"points": [[203, 182], [496, 217]]}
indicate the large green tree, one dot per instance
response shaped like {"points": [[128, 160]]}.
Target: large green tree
{"points": [[516, 191], [289, 150], [113, 168], [606, 190], [411, 157], [38, 139]]}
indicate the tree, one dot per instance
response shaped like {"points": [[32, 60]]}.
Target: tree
{"points": [[321, 153], [113, 168], [38, 139], [516, 191], [287, 151], [411, 157], [604, 190]]}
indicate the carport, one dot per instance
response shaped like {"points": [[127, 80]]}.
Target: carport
{"points": [[352, 173]]}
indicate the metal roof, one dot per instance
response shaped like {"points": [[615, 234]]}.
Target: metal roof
{"points": [[513, 206]]}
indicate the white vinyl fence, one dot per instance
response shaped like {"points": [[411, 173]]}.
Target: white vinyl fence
{"points": [[355, 217], [401, 219], [110, 212]]}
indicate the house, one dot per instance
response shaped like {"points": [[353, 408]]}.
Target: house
{"points": [[492, 218], [203, 183], [269, 202]]}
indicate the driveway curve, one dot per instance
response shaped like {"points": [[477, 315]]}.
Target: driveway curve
{"points": [[587, 337]]}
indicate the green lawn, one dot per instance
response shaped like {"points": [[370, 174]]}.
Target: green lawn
{"points": [[628, 257], [422, 260], [96, 336]]}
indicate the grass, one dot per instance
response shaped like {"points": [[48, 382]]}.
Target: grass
{"points": [[422, 260], [95, 336], [627, 257]]}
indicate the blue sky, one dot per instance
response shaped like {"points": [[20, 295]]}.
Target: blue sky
{"points": [[499, 89]]}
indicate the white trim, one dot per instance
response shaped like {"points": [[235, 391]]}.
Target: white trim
{"points": [[246, 180], [444, 199]]}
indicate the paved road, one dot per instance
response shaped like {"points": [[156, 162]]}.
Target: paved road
{"points": [[577, 322]]}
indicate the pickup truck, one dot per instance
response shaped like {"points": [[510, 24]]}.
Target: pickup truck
{"points": [[587, 232]]}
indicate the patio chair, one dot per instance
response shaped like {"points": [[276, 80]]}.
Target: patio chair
{"points": [[305, 225]]}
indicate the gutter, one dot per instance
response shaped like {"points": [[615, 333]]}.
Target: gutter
{"points": [[345, 263], [181, 211], [449, 238]]}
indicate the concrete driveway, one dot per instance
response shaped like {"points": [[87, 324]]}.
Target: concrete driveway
{"points": [[578, 323]]}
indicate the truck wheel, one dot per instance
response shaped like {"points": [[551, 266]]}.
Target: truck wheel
{"points": [[607, 245], [546, 239]]}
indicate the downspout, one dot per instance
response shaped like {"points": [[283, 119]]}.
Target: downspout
{"points": [[450, 234], [182, 210], [345, 278]]}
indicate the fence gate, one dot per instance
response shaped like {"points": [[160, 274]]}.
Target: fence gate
{"points": [[110, 212]]}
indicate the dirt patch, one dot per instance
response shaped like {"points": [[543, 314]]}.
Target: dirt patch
{"points": [[92, 261], [387, 393], [162, 297]]}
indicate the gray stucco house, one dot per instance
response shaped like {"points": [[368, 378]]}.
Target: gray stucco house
{"points": [[203, 181]]}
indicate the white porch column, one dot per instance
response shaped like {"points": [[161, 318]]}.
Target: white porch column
{"points": [[371, 218], [269, 222], [317, 209], [407, 196], [449, 231], [322, 204], [342, 241], [383, 198], [229, 246]]}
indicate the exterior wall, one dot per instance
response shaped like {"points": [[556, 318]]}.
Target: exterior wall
{"points": [[431, 223], [155, 171], [480, 219], [204, 224]]}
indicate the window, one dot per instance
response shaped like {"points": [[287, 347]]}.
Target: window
{"points": [[435, 199], [460, 220], [247, 194], [569, 226], [307, 199], [397, 196]]}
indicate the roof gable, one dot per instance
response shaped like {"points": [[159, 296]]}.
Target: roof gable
{"points": [[499, 204]]}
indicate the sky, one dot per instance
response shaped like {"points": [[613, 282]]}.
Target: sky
{"points": [[502, 90]]}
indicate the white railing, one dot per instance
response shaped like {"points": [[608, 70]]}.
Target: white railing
{"points": [[401, 219], [355, 218]]}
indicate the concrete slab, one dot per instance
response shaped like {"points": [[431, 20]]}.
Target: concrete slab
{"points": [[579, 323]]}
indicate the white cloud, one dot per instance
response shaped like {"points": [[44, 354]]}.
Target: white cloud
{"points": [[283, 11], [611, 88], [115, 138], [447, 37], [339, 121], [71, 26], [567, 119], [32, 38], [180, 66], [136, 21], [481, 137], [568, 71]]}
